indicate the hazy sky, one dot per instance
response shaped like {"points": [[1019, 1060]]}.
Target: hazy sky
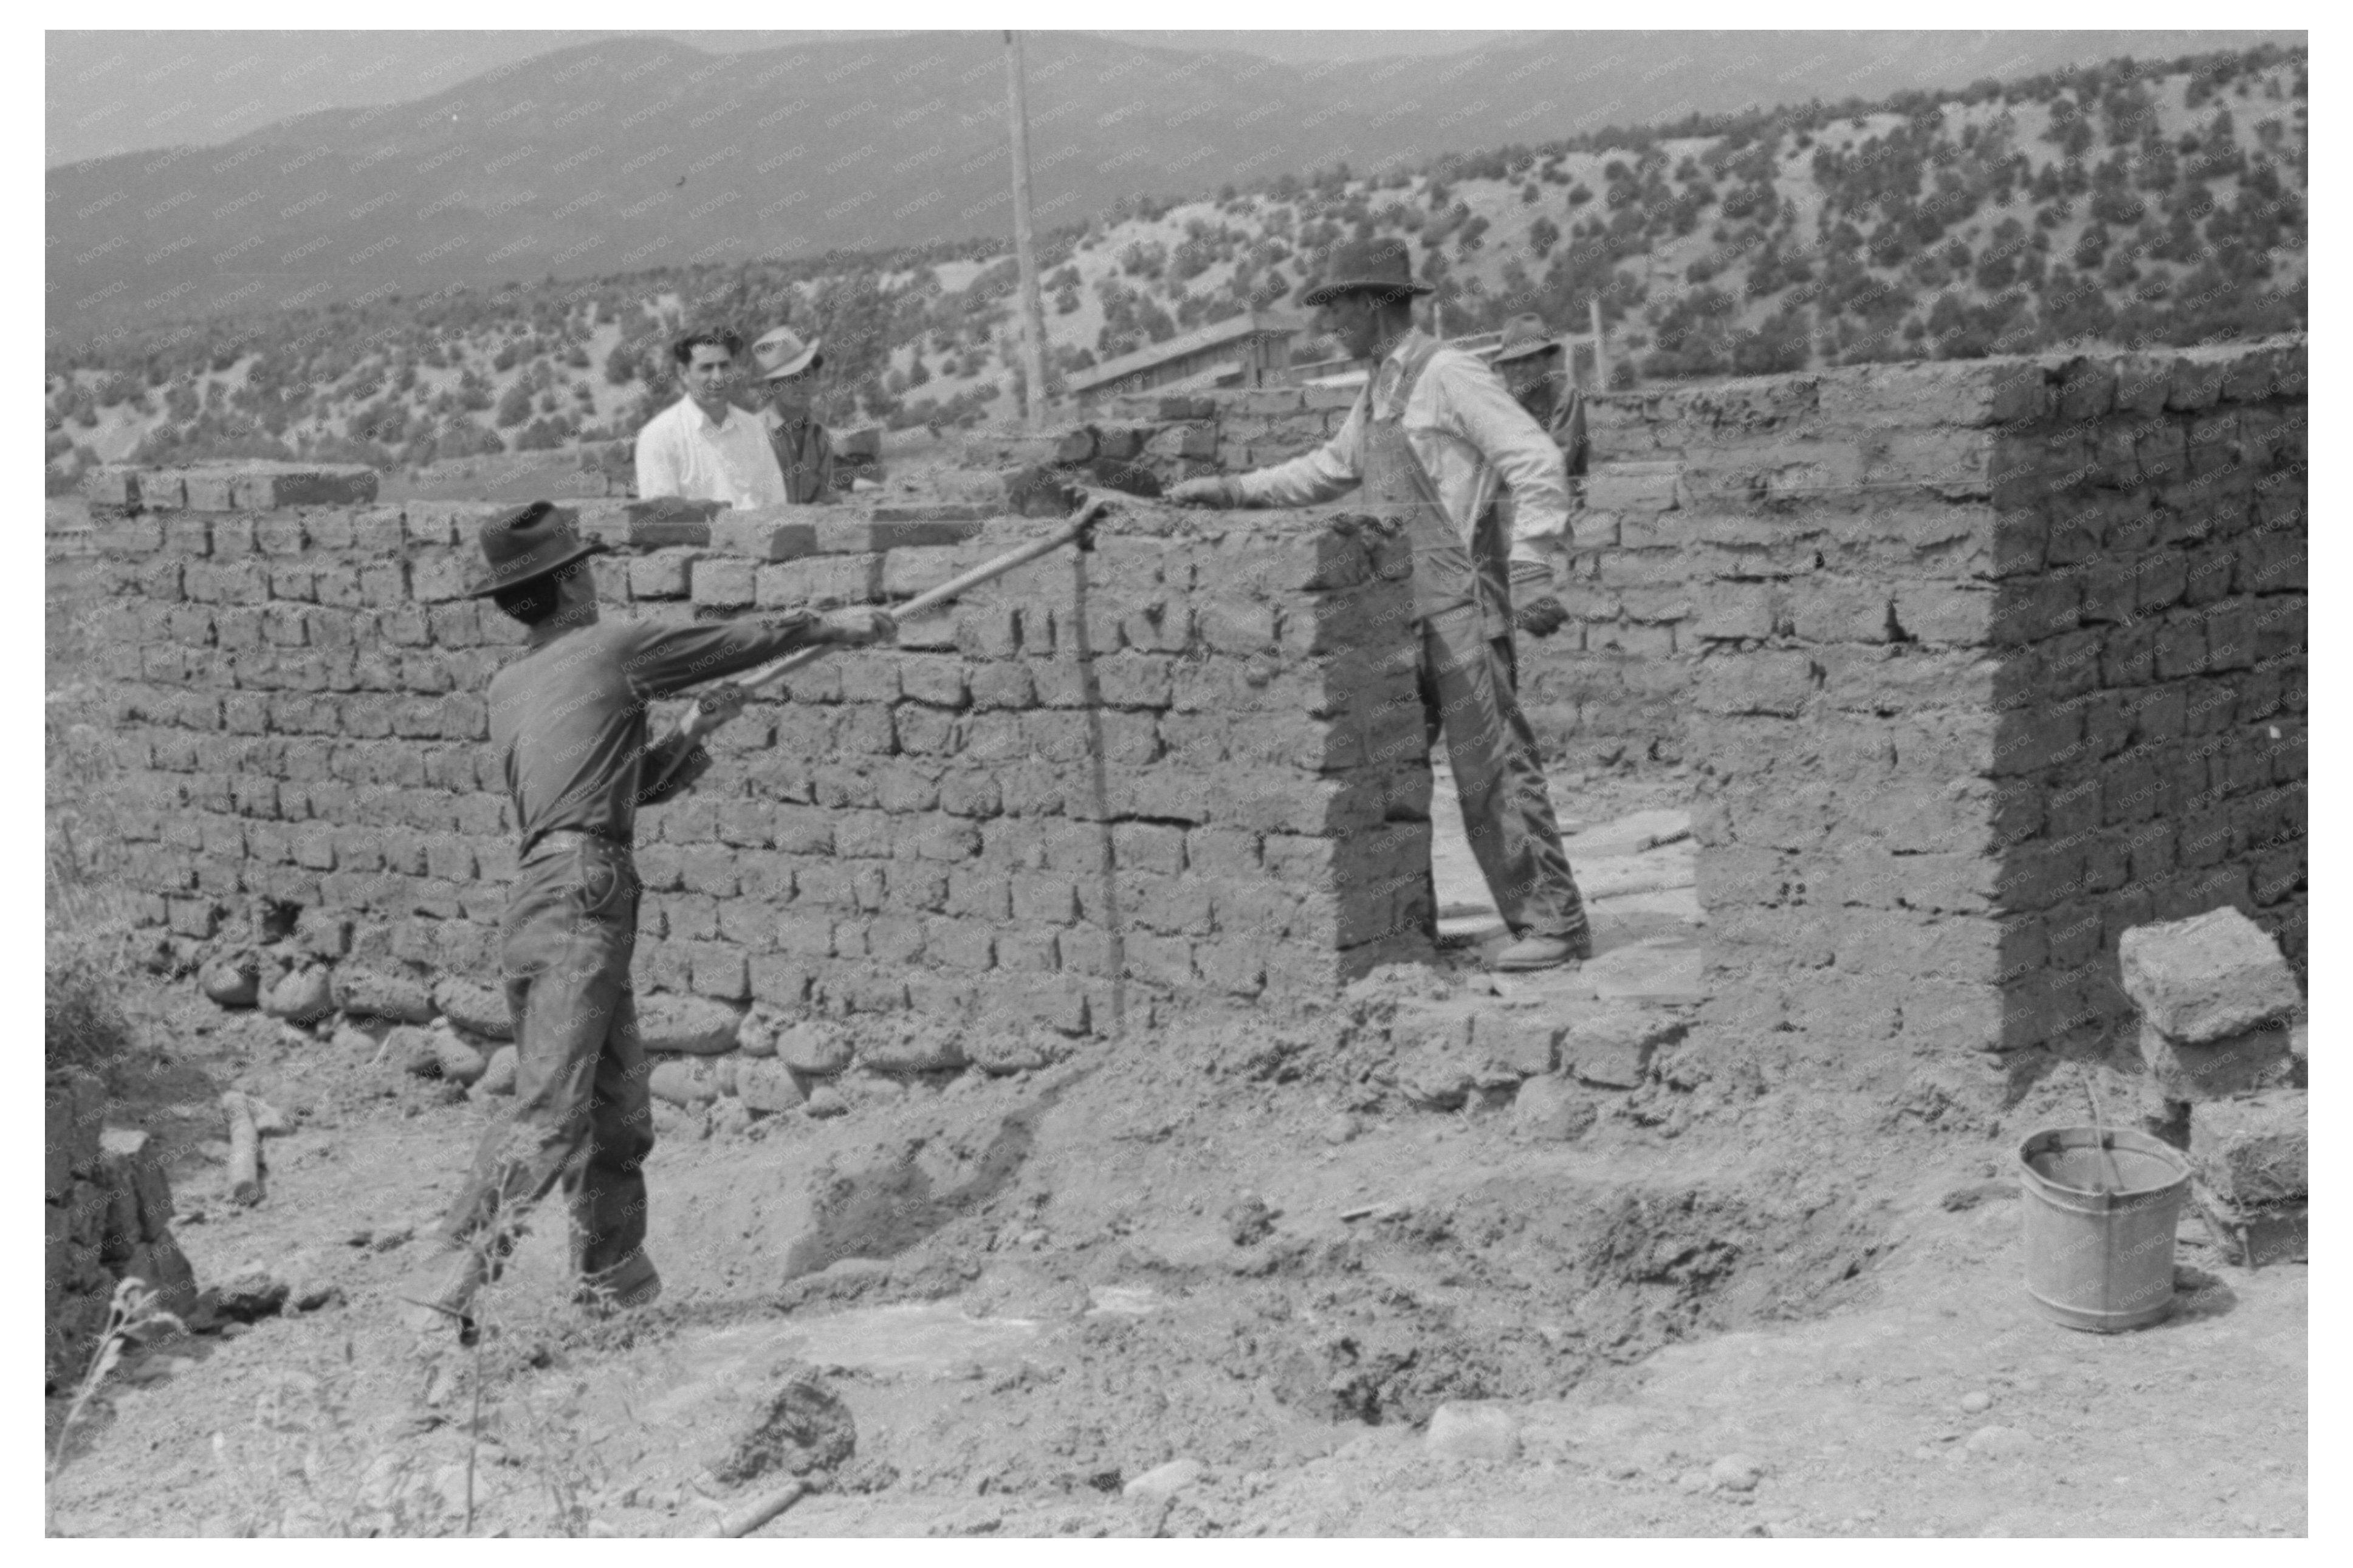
{"points": [[109, 92]]}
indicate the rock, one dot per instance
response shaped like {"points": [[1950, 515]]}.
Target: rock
{"points": [[2244, 1063], [1442, 1030], [250, 1293], [756, 1036], [367, 992], [305, 995], [1977, 1402], [1463, 1430], [1164, 1482], [673, 1125], [1662, 973], [1001, 1051], [1518, 1040], [418, 1051], [1249, 1220], [384, 1237], [826, 1100], [1735, 1473], [1549, 1110], [498, 1076], [2206, 978], [671, 1025], [922, 1046], [730, 1118], [818, 1047], [359, 1039], [2254, 1151], [1435, 1079], [476, 1008], [691, 1082], [2254, 1235], [324, 935], [768, 1086], [234, 982], [803, 1426], [1999, 1442], [1339, 1128], [457, 1061], [1612, 1048]]}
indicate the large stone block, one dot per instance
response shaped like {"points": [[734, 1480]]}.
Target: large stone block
{"points": [[2253, 1059], [764, 534], [2205, 979], [2253, 1151], [368, 991], [686, 1025]]}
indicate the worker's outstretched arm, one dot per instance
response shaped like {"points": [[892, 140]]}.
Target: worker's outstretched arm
{"points": [[1332, 470]]}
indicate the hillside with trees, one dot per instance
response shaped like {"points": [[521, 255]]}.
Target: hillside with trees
{"points": [[2131, 203]]}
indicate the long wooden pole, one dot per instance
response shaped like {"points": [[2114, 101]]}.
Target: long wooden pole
{"points": [[1601, 353], [1033, 311], [923, 603]]}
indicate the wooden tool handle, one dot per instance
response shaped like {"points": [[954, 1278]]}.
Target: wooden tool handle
{"points": [[987, 571], [744, 1521]]}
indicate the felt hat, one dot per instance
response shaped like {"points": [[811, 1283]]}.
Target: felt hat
{"points": [[1380, 265], [527, 543], [1523, 335], [781, 354]]}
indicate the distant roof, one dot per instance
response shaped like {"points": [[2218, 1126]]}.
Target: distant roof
{"points": [[1250, 323]]}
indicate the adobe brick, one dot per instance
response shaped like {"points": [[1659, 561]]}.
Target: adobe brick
{"points": [[1028, 949], [927, 732], [1044, 897], [870, 680], [865, 729], [839, 787]]}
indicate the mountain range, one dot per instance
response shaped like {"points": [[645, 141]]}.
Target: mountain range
{"points": [[629, 154]]}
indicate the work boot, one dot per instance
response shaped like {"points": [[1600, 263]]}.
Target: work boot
{"points": [[440, 1294], [631, 1283], [1543, 952]]}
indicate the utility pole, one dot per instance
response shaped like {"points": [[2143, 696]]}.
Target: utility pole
{"points": [[1033, 310], [1600, 353]]}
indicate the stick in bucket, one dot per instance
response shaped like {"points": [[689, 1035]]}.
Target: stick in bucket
{"points": [[2105, 1173], [1071, 533]]}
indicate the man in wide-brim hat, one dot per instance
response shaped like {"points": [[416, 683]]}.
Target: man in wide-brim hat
{"points": [[787, 369], [568, 724], [1430, 445]]}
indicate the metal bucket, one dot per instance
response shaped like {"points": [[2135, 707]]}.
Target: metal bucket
{"points": [[2095, 1260]]}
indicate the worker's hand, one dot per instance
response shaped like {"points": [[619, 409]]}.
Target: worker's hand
{"points": [[1540, 618], [857, 623], [1210, 491], [713, 706], [1534, 610]]}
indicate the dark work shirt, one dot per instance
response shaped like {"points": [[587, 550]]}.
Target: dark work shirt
{"points": [[805, 454], [568, 717]]}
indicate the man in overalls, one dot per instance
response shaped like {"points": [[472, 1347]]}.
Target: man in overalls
{"points": [[568, 724], [1429, 445]]}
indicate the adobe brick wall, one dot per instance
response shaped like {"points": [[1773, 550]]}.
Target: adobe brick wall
{"points": [[1990, 661], [1184, 768]]}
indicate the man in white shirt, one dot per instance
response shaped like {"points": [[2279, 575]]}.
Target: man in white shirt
{"points": [[1429, 445], [702, 446]]}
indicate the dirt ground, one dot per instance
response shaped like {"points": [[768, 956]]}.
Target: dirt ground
{"points": [[1752, 1298]]}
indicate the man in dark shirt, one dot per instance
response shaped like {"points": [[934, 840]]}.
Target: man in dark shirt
{"points": [[788, 370], [568, 717], [1536, 370]]}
